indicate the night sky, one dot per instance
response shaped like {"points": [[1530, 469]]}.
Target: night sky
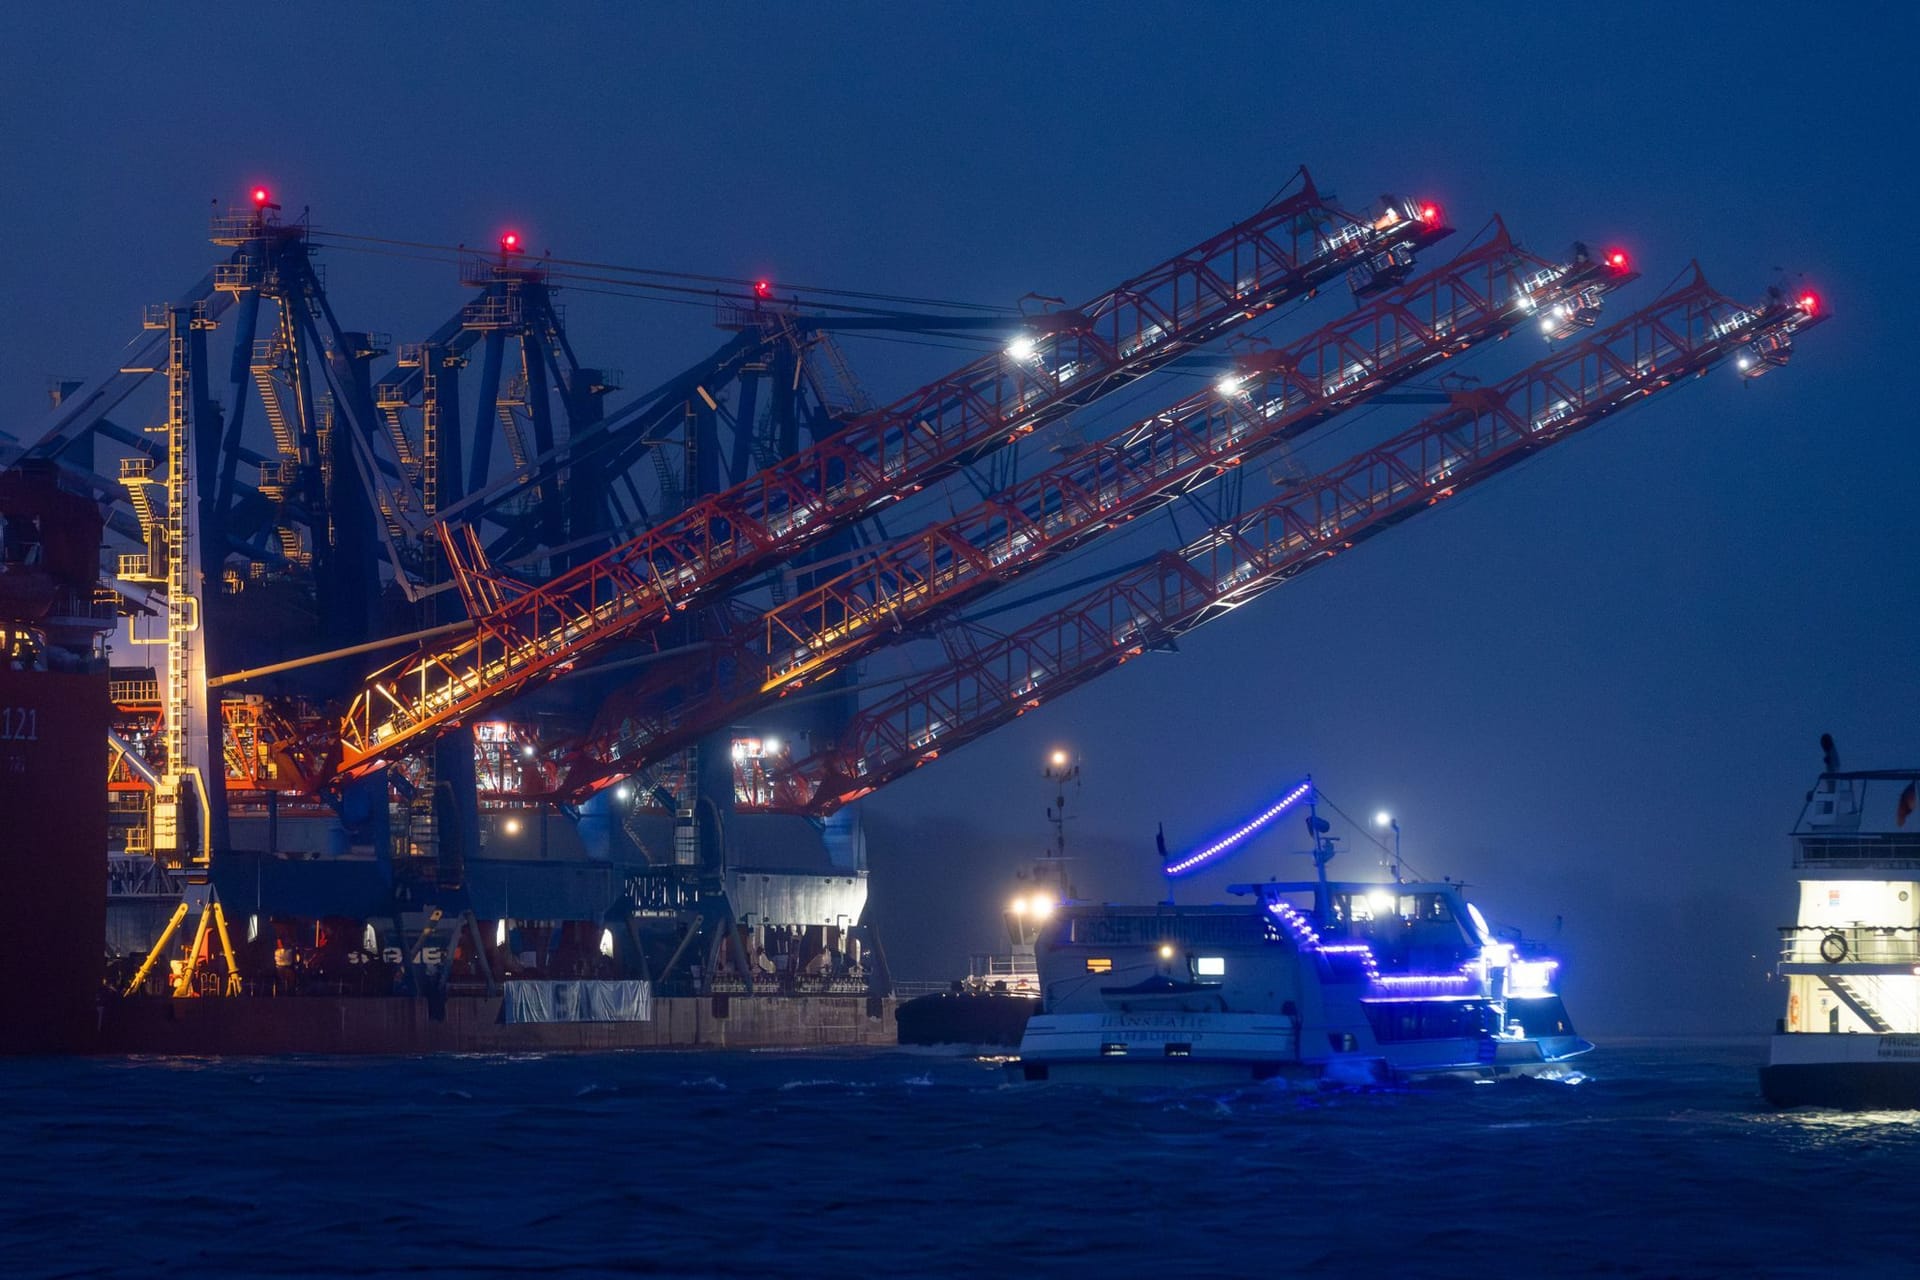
{"points": [[1593, 689]]}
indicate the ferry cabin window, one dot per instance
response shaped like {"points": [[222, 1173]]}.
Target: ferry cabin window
{"points": [[1544, 1016], [1427, 1019], [1099, 964], [1358, 910], [1209, 966]]}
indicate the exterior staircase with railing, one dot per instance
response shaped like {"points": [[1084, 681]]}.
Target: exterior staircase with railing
{"points": [[1856, 1000]]}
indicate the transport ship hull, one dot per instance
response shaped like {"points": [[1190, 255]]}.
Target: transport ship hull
{"points": [[1854, 1072], [992, 1019], [53, 826], [475, 1024]]}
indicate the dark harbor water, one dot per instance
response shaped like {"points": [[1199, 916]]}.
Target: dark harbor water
{"points": [[1665, 1162]]}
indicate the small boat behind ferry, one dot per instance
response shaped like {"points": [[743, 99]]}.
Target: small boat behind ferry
{"points": [[988, 1009], [1317, 981], [1851, 959]]}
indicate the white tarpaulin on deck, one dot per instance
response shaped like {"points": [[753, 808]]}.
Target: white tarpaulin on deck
{"points": [[578, 1001]]}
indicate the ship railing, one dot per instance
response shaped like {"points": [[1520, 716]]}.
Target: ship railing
{"points": [[908, 990], [1004, 967], [1850, 944], [727, 984], [840, 985]]}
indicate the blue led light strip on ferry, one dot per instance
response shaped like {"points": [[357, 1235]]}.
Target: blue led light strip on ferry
{"points": [[1227, 842]]}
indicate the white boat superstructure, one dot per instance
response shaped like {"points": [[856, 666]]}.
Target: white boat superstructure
{"points": [[1850, 962], [1345, 982]]}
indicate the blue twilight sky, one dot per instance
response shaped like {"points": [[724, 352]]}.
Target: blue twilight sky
{"points": [[1593, 689]]}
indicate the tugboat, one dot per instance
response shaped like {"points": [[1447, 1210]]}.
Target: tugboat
{"points": [[1319, 982], [989, 1007], [1851, 960]]}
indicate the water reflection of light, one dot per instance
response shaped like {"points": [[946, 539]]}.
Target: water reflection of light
{"points": [[1849, 1126]]}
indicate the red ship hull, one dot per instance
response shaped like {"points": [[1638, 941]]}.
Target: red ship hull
{"points": [[53, 837]]}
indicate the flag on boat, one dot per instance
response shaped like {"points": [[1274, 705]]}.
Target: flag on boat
{"points": [[1904, 806]]}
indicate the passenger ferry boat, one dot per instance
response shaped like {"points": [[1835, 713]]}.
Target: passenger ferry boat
{"points": [[1851, 960], [1318, 981]]}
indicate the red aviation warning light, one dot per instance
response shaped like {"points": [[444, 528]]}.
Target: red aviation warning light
{"points": [[260, 197], [763, 289], [1617, 259], [510, 243], [1430, 214], [1809, 304]]}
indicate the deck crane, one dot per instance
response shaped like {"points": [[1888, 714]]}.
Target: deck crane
{"points": [[1063, 361], [1277, 395], [319, 493], [1483, 433], [513, 323], [187, 532], [526, 363]]}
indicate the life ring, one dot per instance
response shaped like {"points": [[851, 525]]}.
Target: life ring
{"points": [[1833, 948]]}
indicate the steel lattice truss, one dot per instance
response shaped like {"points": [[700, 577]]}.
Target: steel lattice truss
{"points": [[1278, 394], [1068, 360], [1482, 434], [367, 468]]}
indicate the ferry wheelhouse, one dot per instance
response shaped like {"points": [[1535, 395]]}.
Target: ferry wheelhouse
{"points": [[1850, 962], [1344, 982]]}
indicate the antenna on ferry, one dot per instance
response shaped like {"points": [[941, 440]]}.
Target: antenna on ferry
{"points": [[1323, 850]]}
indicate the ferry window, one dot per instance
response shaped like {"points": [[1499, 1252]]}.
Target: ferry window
{"points": [[1545, 1016], [1210, 966], [1426, 1019], [1099, 964]]}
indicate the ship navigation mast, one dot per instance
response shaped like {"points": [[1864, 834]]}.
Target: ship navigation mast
{"points": [[1062, 767]]}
